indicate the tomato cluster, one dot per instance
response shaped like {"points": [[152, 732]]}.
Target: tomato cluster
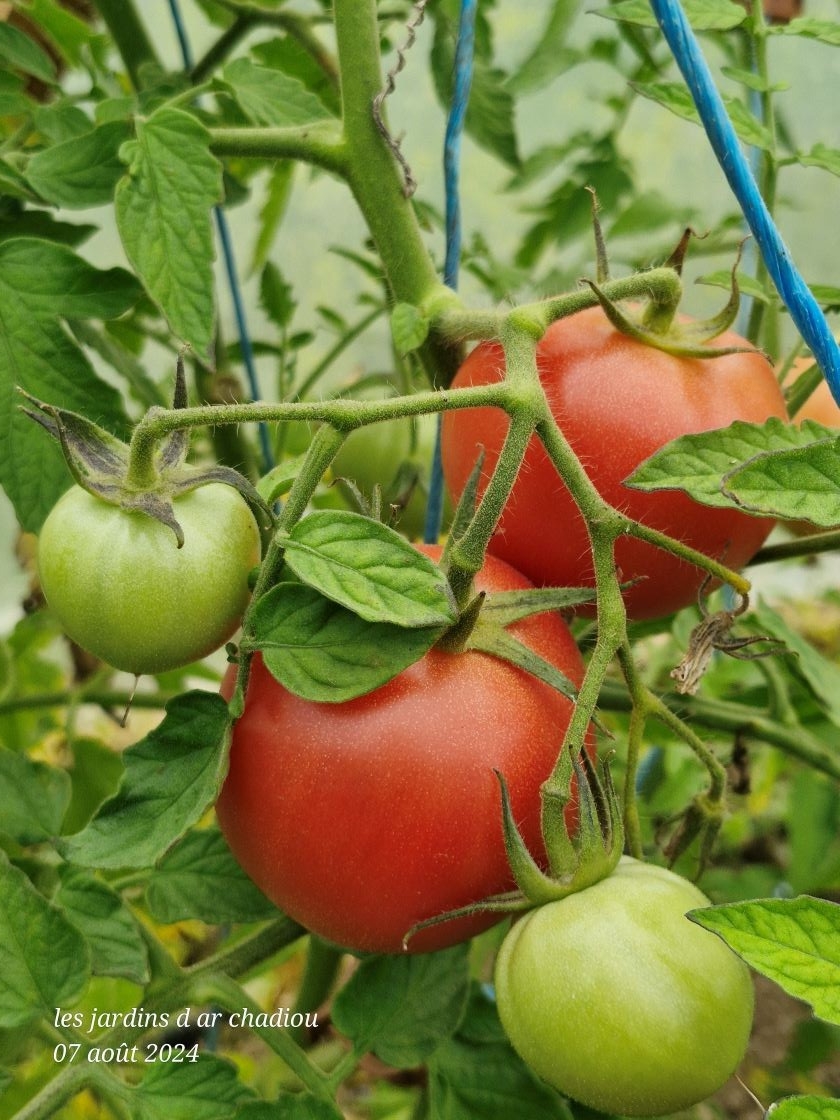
{"points": [[617, 401]]}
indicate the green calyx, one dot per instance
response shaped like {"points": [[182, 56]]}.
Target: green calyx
{"points": [[102, 464], [656, 323], [575, 862]]}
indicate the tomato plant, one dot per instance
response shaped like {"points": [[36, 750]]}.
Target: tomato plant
{"points": [[363, 818], [614, 997], [617, 401], [123, 590]]}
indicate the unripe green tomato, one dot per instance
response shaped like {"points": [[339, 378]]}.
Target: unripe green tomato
{"points": [[123, 590], [614, 997]]}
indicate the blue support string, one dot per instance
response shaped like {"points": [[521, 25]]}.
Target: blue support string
{"points": [[229, 262], [800, 302], [464, 54]]}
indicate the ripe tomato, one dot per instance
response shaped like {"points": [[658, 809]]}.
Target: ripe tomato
{"points": [[616, 999], [363, 818], [124, 591], [617, 401]]}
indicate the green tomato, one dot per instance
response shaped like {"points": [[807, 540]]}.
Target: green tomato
{"points": [[619, 1001], [384, 454], [123, 590]]}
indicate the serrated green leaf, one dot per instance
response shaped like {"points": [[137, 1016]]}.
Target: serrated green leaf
{"points": [[66, 31], [199, 878], [476, 1075], [800, 484], [171, 776], [703, 15], [116, 944], [676, 98], [270, 97], [21, 52], [827, 31], [793, 941], [805, 1108], [370, 569], [163, 208], [487, 637], [821, 156], [33, 798], [80, 172], [698, 463], [507, 607], [403, 1007], [40, 284], [747, 285], [44, 960], [208, 1089], [821, 675], [409, 327], [322, 651], [490, 117]]}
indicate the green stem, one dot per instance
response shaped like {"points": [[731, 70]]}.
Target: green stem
{"points": [[638, 722], [319, 143], [735, 718], [223, 46], [804, 546], [104, 698], [129, 35], [323, 962], [298, 27], [56, 1093], [315, 375], [232, 997], [376, 181]]}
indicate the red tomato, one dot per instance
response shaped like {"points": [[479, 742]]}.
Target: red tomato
{"points": [[361, 819], [617, 402]]}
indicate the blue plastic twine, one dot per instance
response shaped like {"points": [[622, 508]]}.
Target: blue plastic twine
{"points": [[464, 53], [800, 302], [229, 264]]}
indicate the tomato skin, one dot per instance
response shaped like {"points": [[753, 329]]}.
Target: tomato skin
{"points": [[124, 591], [363, 818], [616, 999], [617, 401]]}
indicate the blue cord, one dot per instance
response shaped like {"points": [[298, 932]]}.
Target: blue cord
{"points": [[803, 307], [464, 53], [229, 264]]}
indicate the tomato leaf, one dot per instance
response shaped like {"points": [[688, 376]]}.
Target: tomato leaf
{"points": [[208, 1089], [33, 798], [698, 462], [171, 776], [370, 569], [21, 52], [704, 15], [802, 483], [826, 31], [199, 878], [409, 326], [99, 913], [319, 650], [269, 97], [40, 284], [163, 210], [403, 1007], [82, 171], [676, 98], [820, 675], [44, 960], [793, 941], [477, 1075], [805, 1108]]}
